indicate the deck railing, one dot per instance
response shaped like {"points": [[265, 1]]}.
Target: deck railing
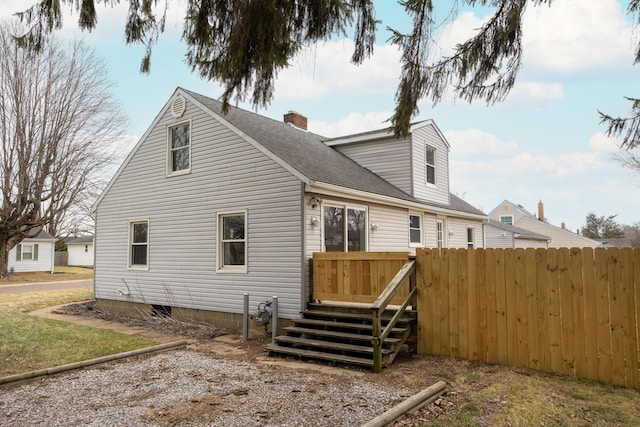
{"points": [[357, 276]]}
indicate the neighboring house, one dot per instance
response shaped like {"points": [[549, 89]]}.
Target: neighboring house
{"points": [[558, 237], [502, 235], [34, 253], [209, 206], [80, 251]]}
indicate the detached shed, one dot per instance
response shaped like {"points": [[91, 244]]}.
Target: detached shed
{"points": [[34, 253], [80, 251]]}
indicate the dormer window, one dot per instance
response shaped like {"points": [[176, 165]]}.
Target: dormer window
{"points": [[430, 164], [179, 146]]}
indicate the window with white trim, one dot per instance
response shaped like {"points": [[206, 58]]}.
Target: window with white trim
{"points": [[179, 149], [506, 219], [345, 228], [470, 237], [27, 252], [232, 241], [439, 234], [139, 244], [415, 230], [430, 164]]}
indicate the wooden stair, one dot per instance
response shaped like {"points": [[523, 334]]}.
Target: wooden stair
{"points": [[341, 334]]}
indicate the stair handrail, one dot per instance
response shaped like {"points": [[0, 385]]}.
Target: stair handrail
{"points": [[379, 334]]}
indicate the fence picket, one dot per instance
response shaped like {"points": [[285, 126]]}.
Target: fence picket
{"points": [[571, 311]]}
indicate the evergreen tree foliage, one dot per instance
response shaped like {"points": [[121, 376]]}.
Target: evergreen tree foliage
{"points": [[601, 227], [243, 44]]}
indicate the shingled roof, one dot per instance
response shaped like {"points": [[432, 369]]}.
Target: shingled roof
{"points": [[306, 152]]}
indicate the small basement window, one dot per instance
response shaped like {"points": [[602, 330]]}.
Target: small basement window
{"points": [[160, 310]]}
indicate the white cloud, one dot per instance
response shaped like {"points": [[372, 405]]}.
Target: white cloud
{"points": [[475, 141], [325, 68], [536, 90], [353, 123], [601, 142], [572, 35]]}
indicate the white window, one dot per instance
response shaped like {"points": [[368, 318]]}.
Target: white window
{"points": [[506, 219], [232, 242], [345, 228], [415, 230], [179, 149], [440, 234], [139, 244], [470, 237], [430, 164], [27, 252]]}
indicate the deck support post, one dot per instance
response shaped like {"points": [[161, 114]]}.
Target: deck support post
{"points": [[274, 324], [376, 342], [245, 318]]}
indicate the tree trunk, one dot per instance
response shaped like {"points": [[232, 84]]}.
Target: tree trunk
{"points": [[4, 260]]}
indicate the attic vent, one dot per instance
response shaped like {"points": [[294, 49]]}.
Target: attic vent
{"points": [[178, 107]]}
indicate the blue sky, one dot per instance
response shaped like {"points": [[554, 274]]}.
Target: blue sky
{"points": [[543, 143]]}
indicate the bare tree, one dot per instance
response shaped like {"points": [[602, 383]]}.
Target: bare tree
{"points": [[59, 129]]}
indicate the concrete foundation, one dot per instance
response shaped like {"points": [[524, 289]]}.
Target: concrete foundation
{"points": [[232, 322]]}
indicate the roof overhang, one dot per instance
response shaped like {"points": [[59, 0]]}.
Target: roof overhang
{"points": [[347, 193]]}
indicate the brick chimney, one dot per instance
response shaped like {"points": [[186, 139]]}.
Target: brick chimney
{"points": [[296, 119], [563, 225], [541, 211]]}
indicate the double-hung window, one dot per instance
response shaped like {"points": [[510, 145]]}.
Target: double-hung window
{"points": [[179, 149], [232, 242], [27, 252], [430, 164], [470, 237], [139, 244], [415, 230], [345, 228]]}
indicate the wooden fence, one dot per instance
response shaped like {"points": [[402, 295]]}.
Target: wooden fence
{"points": [[569, 311], [356, 276]]}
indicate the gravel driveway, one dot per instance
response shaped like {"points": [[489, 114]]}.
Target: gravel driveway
{"points": [[187, 387]]}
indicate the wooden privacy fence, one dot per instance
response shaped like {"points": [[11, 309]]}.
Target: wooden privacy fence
{"points": [[569, 311], [356, 276]]}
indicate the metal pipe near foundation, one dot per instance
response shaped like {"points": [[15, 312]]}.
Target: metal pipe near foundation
{"points": [[274, 324], [245, 318]]}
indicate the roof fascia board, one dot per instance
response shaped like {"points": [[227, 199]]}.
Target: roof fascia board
{"points": [[336, 191], [247, 138], [382, 134]]}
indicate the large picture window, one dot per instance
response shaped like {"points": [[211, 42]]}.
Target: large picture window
{"points": [[139, 244], [232, 245], [430, 164], [415, 230], [345, 229], [179, 156]]}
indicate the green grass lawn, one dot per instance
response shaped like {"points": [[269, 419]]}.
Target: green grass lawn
{"points": [[29, 343]]}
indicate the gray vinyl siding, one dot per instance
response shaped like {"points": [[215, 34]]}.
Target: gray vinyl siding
{"points": [[393, 229], [497, 238], [228, 174], [439, 192], [530, 243], [389, 159], [459, 228]]}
